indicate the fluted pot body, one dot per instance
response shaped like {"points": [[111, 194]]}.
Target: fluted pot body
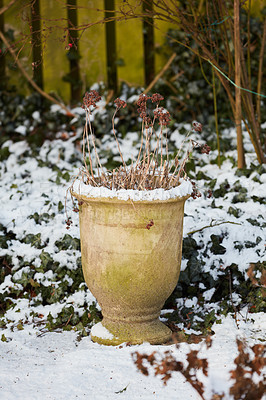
{"points": [[131, 256]]}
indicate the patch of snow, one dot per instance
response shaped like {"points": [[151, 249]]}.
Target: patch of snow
{"points": [[36, 115], [56, 108], [132, 99], [17, 148], [78, 111], [44, 278], [100, 331], [191, 302], [21, 129], [8, 283], [208, 294]]}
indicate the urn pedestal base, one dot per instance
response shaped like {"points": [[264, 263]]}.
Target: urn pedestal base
{"points": [[108, 333]]}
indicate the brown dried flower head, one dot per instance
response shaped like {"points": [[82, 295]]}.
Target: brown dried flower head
{"points": [[90, 99], [147, 120], [142, 103], [156, 98], [163, 115], [142, 110], [196, 126], [205, 149], [143, 98], [120, 103]]}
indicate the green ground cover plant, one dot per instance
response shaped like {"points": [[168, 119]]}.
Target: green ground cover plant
{"points": [[43, 270]]}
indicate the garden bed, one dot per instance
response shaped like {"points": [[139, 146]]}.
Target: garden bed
{"points": [[221, 289]]}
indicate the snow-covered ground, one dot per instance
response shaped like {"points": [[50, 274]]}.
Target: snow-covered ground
{"points": [[56, 366], [40, 361]]}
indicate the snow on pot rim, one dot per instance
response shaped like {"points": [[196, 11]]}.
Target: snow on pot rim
{"points": [[184, 189]]}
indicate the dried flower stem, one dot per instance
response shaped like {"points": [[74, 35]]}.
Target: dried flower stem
{"points": [[151, 170], [85, 133], [118, 146]]}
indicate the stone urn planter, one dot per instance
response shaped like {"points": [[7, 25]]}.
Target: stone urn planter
{"points": [[131, 225], [131, 255]]}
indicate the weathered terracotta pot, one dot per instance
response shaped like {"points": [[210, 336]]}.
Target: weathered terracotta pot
{"points": [[130, 269]]}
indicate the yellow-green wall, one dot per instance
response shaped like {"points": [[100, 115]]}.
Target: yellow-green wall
{"points": [[92, 44]]}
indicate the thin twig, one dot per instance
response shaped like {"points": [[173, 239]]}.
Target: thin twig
{"points": [[5, 8], [231, 296], [160, 74], [211, 225]]}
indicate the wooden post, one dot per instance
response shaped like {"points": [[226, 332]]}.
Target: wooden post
{"points": [[2, 56], [148, 41], [110, 42], [37, 62], [238, 110], [73, 54]]}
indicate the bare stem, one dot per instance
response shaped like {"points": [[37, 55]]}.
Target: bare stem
{"points": [[118, 146], [88, 145]]}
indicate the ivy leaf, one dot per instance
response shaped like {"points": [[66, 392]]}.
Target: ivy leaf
{"points": [[34, 283], [60, 206], [46, 259], [33, 240], [20, 327], [216, 247], [68, 242], [3, 338], [4, 153]]}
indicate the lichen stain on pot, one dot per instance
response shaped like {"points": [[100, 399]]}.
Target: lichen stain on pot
{"points": [[127, 283]]}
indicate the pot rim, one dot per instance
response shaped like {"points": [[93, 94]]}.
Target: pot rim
{"points": [[115, 200]]}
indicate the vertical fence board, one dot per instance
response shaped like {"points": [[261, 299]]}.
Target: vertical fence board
{"points": [[37, 62], [148, 42], [92, 43], [55, 64], [160, 31], [110, 42], [73, 54], [16, 24], [2, 56], [130, 50]]}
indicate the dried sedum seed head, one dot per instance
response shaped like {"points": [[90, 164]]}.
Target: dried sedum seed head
{"points": [[163, 116], [120, 103], [90, 99]]}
